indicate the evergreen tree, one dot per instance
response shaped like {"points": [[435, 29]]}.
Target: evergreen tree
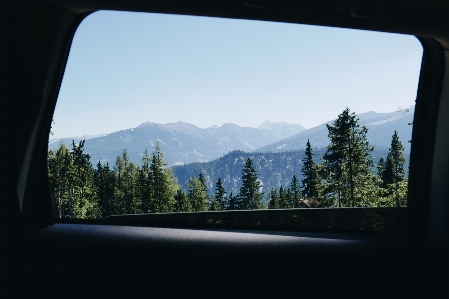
{"points": [[126, 198], [347, 162], [197, 194], [104, 179], [309, 170], [274, 200], [395, 170], [284, 202], [144, 183], [164, 184], [233, 202], [209, 200], [220, 196], [380, 170], [119, 169], [182, 203], [173, 186], [294, 193], [388, 173], [203, 181], [133, 201], [249, 195], [60, 173], [84, 199]]}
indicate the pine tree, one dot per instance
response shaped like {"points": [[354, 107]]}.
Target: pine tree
{"points": [[85, 202], [249, 194], [347, 162], [119, 169], [164, 184], [395, 170], [203, 182], [274, 200], [388, 173], [182, 203], [104, 179], [233, 202], [309, 170], [295, 193], [381, 169], [197, 195], [284, 202], [220, 196], [173, 186], [126, 192], [60, 175], [144, 184]]}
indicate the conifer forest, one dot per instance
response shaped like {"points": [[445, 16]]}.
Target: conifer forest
{"points": [[345, 177]]}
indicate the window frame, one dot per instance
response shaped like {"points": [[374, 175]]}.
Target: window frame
{"points": [[432, 66], [417, 222], [38, 256]]}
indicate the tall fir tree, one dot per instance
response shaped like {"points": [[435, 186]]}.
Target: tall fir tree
{"points": [[85, 201], [249, 194], [104, 179], [295, 193], [144, 184], [395, 171], [274, 199], [309, 170], [233, 202], [197, 195], [388, 173], [380, 170], [221, 200], [202, 179], [347, 162], [163, 183], [284, 202], [182, 203], [60, 175], [127, 199]]}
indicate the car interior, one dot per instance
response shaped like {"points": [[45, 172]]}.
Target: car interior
{"points": [[44, 258]]}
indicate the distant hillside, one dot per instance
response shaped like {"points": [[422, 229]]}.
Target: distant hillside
{"points": [[380, 129], [182, 142], [54, 142], [275, 169]]}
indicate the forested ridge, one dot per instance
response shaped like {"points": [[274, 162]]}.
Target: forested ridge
{"points": [[341, 175]]}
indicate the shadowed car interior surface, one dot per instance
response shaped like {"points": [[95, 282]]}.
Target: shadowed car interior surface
{"points": [[397, 252]]}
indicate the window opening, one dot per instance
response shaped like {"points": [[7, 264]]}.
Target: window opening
{"points": [[167, 113]]}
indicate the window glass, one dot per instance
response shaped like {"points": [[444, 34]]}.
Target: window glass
{"points": [[166, 113]]}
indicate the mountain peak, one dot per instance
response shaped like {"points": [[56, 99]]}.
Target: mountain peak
{"points": [[268, 125], [145, 124], [265, 124]]}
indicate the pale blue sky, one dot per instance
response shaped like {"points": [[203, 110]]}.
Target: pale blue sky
{"points": [[128, 68]]}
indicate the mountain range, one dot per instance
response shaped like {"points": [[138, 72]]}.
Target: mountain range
{"points": [[380, 126], [184, 143]]}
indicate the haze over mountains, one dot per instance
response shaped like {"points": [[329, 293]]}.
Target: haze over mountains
{"points": [[380, 129], [184, 143]]}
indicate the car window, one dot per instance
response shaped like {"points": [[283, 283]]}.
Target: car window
{"points": [[167, 113]]}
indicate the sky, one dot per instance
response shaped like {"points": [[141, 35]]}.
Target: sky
{"points": [[127, 68]]}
